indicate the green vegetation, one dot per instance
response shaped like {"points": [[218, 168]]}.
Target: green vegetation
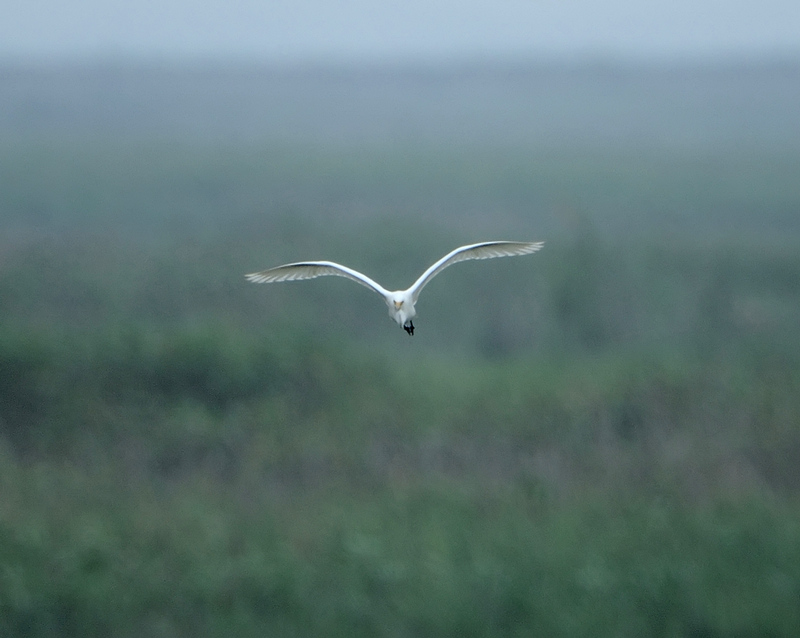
{"points": [[209, 482], [599, 440]]}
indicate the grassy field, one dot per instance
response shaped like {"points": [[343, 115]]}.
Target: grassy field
{"points": [[598, 440], [206, 483]]}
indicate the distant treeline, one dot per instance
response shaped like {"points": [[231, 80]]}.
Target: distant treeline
{"points": [[519, 105]]}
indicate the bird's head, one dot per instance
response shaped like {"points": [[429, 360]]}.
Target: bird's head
{"points": [[401, 307]]}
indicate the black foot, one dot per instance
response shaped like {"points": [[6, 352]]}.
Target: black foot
{"points": [[409, 327]]}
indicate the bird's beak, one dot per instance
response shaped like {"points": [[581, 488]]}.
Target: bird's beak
{"points": [[398, 304]]}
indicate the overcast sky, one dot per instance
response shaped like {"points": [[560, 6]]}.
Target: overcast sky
{"points": [[377, 30]]}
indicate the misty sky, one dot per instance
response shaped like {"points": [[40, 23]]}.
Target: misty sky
{"points": [[375, 30]]}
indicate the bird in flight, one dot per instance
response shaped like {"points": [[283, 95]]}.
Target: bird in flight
{"points": [[400, 302]]}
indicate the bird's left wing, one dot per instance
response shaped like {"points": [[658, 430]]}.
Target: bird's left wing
{"points": [[484, 250], [311, 270]]}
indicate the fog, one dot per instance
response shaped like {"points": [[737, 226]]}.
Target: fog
{"points": [[360, 31], [600, 439]]}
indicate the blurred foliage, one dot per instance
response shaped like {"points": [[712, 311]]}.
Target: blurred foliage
{"points": [[601, 439]]}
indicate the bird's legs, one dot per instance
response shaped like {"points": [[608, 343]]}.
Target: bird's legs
{"points": [[409, 327]]}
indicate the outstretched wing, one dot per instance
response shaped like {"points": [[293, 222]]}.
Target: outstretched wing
{"points": [[311, 270], [484, 250]]}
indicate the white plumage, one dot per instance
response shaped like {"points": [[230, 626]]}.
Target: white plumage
{"points": [[400, 302]]}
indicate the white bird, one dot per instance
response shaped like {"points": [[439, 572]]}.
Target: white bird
{"points": [[400, 302]]}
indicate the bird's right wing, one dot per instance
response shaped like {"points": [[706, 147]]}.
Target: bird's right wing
{"points": [[312, 270]]}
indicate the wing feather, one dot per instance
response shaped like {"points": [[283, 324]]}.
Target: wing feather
{"points": [[312, 270], [483, 250]]}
